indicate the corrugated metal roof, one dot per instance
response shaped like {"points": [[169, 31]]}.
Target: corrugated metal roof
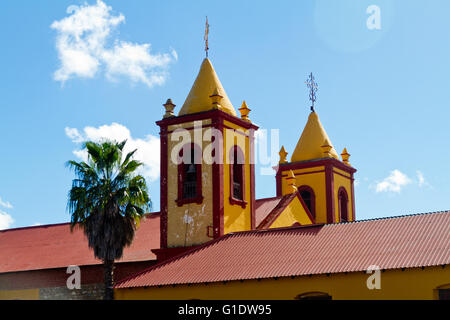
{"points": [[264, 207], [283, 202], [54, 246], [390, 243]]}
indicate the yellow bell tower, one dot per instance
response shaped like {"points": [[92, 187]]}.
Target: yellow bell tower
{"points": [[325, 182], [207, 167]]}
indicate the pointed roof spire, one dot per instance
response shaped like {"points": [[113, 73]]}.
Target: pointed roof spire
{"points": [[207, 82], [244, 110], [283, 154], [310, 144]]}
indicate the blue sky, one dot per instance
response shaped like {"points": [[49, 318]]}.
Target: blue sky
{"points": [[383, 93]]}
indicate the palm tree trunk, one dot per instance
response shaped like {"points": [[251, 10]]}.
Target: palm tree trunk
{"points": [[109, 279]]}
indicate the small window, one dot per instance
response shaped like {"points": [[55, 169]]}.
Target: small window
{"points": [[190, 175], [190, 178], [308, 197], [343, 205], [237, 177]]}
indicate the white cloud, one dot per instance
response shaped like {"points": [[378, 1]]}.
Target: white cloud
{"points": [[421, 178], [5, 204], [393, 183], [5, 220], [148, 148], [83, 42]]}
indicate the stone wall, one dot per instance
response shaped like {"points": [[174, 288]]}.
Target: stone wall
{"points": [[86, 292]]}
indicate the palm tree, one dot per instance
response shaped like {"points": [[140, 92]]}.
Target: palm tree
{"points": [[107, 200]]}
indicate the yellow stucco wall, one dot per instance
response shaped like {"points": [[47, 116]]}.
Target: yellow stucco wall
{"points": [[395, 284], [187, 225], [293, 213], [29, 294], [315, 180], [236, 218]]}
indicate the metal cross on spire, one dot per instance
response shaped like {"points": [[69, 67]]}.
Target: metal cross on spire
{"points": [[206, 36], [312, 86]]}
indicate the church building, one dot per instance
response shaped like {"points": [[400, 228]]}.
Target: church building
{"points": [[212, 238], [219, 242]]}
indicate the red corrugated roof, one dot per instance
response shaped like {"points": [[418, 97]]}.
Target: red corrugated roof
{"points": [[264, 207], [283, 202], [398, 242], [54, 246]]}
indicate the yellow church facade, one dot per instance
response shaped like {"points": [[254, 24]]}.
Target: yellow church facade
{"points": [[219, 242], [212, 238]]}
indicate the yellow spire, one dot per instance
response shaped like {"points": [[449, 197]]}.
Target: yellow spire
{"points": [[244, 110], [283, 154], [345, 156], [309, 146], [291, 188], [206, 84]]}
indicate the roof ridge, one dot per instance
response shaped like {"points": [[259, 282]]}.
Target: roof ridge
{"points": [[146, 215], [394, 217], [331, 224], [269, 198]]}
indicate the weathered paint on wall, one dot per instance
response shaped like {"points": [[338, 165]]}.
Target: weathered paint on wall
{"points": [[410, 284], [187, 225]]}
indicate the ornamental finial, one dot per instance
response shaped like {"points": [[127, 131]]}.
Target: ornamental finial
{"points": [[312, 86], [206, 36]]}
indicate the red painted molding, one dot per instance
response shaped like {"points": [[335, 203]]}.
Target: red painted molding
{"points": [[317, 162], [353, 199], [163, 186], [211, 114], [303, 173], [342, 175], [329, 191], [278, 176], [252, 180], [217, 182]]}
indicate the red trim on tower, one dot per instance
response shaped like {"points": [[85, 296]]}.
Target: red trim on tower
{"points": [[353, 199], [317, 162], [217, 176], [252, 179], [163, 186], [329, 191], [207, 115], [278, 182]]}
